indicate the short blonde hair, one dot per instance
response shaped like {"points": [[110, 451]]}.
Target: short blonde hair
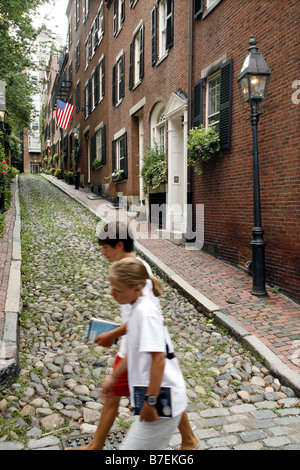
{"points": [[131, 272]]}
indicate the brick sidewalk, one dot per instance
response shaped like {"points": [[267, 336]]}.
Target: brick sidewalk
{"points": [[274, 319], [6, 254]]}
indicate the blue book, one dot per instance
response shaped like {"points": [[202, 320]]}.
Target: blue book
{"points": [[164, 404], [98, 326]]}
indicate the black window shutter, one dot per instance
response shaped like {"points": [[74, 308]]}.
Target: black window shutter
{"points": [[199, 8], [226, 104], [90, 46], [84, 102], [122, 10], [103, 149], [154, 36], [198, 103], [114, 84], [103, 76], [113, 155], [124, 161], [115, 16], [96, 85], [142, 48], [131, 59], [101, 24], [90, 95], [170, 24], [93, 147], [122, 78]]}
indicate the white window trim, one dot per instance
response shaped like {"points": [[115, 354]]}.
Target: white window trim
{"points": [[211, 4], [209, 79], [162, 29], [87, 51], [99, 136], [100, 65]]}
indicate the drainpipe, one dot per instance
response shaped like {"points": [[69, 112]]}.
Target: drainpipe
{"points": [[190, 94]]}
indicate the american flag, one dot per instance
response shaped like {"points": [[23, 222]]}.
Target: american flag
{"points": [[64, 113]]}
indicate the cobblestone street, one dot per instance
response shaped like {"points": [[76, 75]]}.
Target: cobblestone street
{"points": [[234, 401]]}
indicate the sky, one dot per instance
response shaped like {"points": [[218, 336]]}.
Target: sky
{"points": [[54, 16]]}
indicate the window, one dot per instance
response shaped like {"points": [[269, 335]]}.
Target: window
{"points": [[98, 145], [158, 126], [92, 41], [70, 38], [162, 29], [87, 53], [77, 97], [88, 100], [85, 9], [77, 13], [119, 80], [99, 25], [101, 72], [213, 100], [119, 155], [136, 67], [218, 101], [77, 57], [119, 15]]}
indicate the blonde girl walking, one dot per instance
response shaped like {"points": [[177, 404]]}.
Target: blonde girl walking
{"points": [[146, 361]]}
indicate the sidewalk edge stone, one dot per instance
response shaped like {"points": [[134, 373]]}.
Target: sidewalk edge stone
{"points": [[9, 343]]}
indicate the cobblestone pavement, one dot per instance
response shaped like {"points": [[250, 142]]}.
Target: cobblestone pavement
{"points": [[234, 401]]}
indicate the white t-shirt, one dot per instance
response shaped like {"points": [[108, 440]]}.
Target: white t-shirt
{"points": [[146, 334], [126, 309]]}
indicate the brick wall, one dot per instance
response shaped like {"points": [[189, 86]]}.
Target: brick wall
{"points": [[226, 186]]}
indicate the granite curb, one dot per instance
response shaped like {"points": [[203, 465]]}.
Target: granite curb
{"points": [[250, 341], [9, 361]]}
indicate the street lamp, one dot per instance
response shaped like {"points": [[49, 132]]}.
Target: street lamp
{"points": [[254, 85], [76, 140]]}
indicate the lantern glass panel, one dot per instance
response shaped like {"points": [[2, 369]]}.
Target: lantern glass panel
{"points": [[244, 89], [258, 87]]}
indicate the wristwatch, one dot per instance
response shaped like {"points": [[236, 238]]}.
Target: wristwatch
{"points": [[151, 400]]}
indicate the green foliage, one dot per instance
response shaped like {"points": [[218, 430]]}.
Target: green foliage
{"points": [[17, 39], [58, 174], [155, 167], [203, 144]]}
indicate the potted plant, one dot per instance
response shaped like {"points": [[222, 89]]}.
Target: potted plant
{"points": [[70, 177], [155, 167], [117, 175], [97, 163], [203, 144]]}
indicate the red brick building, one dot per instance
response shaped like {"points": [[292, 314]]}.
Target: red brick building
{"points": [[140, 71], [221, 36]]}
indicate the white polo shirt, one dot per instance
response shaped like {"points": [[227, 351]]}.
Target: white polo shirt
{"points": [[146, 334]]}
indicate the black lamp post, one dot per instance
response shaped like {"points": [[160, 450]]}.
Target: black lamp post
{"points": [[254, 84], [76, 140]]}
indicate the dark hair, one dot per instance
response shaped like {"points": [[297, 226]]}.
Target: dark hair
{"points": [[113, 233]]}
